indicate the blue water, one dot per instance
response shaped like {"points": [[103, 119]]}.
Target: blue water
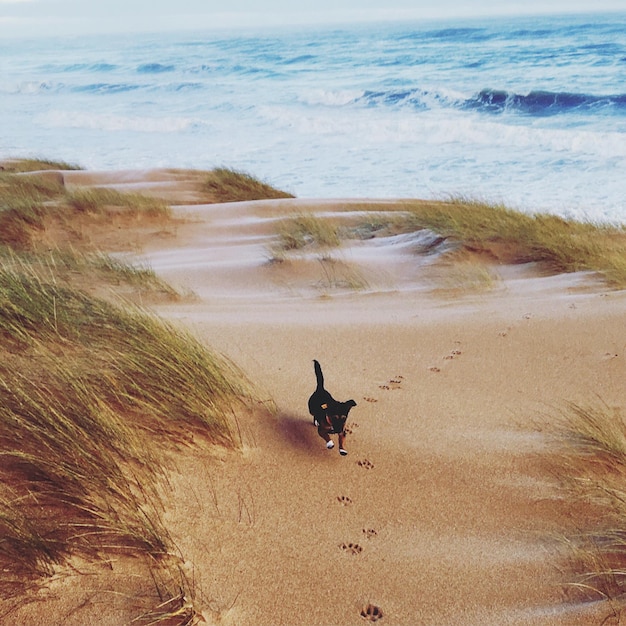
{"points": [[526, 111]]}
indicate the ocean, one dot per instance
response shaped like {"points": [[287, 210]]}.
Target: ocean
{"points": [[527, 111]]}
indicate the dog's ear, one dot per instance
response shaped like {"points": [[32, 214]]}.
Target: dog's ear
{"points": [[351, 403]]}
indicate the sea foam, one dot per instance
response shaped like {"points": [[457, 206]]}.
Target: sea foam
{"points": [[526, 111]]}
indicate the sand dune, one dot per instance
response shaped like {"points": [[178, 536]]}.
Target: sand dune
{"points": [[442, 513]]}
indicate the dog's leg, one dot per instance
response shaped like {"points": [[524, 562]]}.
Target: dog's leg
{"points": [[342, 439], [323, 433]]}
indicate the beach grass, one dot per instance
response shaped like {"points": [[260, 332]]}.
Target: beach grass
{"points": [[339, 274], [37, 165], [27, 203], [100, 200], [89, 394], [224, 184], [22, 201], [96, 395], [35, 187], [494, 231], [591, 464], [558, 244], [462, 276], [94, 401], [305, 229]]}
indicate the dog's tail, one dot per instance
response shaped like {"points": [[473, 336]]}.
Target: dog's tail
{"points": [[318, 375]]}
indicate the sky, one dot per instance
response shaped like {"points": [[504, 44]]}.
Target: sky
{"points": [[28, 18]]}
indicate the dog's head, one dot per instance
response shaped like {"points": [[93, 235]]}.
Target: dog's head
{"points": [[337, 413]]}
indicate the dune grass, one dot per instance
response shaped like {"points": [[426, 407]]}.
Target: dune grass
{"points": [[89, 394], [462, 276], [102, 200], [560, 245], [591, 464], [95, 397], [90, 271], [94, 400], [27, 201], [36, 165], [305, 229], [33, 188], [228, 185], [495, 231], [338, 274], [22, 202]]}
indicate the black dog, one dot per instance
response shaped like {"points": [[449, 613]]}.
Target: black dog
{"points": [[329, 415]]}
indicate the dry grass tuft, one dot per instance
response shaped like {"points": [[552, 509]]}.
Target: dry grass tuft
{"points": [[592, 467], [36, 165], [101, 200], [457, 276], [22, 207], [228, 185], [305, 229], [337, 274], [305, 232], [29, 202]]}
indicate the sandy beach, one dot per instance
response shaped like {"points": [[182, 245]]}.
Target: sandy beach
{"points": [[441, 513], [444, 511]]}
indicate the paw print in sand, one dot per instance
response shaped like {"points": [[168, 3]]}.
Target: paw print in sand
{"points": [[371, 612], [351, 548], [365, 463], [369, 533], [394, 383], [344, 500], [368, 399]]}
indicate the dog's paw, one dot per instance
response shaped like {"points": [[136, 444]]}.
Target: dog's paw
{"points": [[344, 500], [371, 612], [351, 548]]}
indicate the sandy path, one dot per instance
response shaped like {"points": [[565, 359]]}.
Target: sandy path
{"points": [[441, 513]]}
